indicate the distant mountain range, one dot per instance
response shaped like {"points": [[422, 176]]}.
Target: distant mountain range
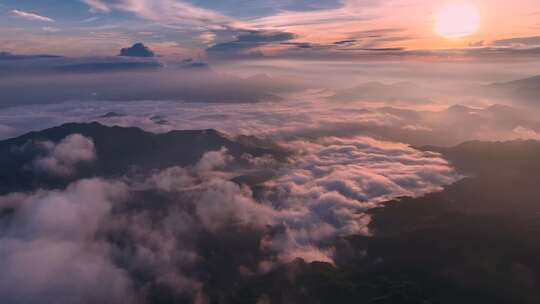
{"points": [[446, 128], [525, 90], [522, 91], [519, 157]]}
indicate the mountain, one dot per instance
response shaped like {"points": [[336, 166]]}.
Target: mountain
{"points": [[477, 241], [531, 82], [459, 123], [523, 90], [518, 158], [118, 151]]}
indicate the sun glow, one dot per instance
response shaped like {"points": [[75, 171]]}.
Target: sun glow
{"points": [[457, 19]]}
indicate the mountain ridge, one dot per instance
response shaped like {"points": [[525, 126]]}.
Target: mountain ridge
{"points": [[120, 151]]}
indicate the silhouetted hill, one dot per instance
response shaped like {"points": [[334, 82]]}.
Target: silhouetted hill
{"points": [[525, 90], [519, 157], [119, 151], [531, 82]]}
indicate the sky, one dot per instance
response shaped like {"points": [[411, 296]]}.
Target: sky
{"points": [[327, 61], [269, 28]]}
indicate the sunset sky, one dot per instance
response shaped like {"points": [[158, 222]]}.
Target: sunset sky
{"points": [[247, 28]]}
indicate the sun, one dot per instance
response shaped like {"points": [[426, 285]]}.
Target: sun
{"points": [[457, 20]]}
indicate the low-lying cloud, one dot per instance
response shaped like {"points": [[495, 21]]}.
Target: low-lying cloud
{"points": [[105, 240], [307, 115], [49, 249], [62, 158]]}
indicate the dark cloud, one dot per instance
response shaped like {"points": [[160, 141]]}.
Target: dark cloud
{"points": [[194, 64], [10, 56], [301, 45], [245, 46], [529, 41], [394, 49], [348, 41], [376, 33], [137, 50], [247, 41], [477, 43], [369, 51], [32, 65], [104, 67]]}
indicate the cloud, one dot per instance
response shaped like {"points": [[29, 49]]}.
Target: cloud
{"points": [[332, 182], [330, 112], [526, 133], [49, 252], [302, 45], [57, 247], [346, 41], [364, 169], [99, 239], [137, 50], [320, 195], [37, 65], [179, 12], [299, 17], [7, 131], [108, 67], [348, 11], [213, 160], [171, 12], [248, 41], [149, 79], [8, 56], [518, 41], [256, 8], [61, 159], [30, 16], [50, 29], [98, 5], [479, 43], [377, 113]]}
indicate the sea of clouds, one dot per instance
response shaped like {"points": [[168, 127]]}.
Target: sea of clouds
{"points": [[168, 233], [118, 240]]}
